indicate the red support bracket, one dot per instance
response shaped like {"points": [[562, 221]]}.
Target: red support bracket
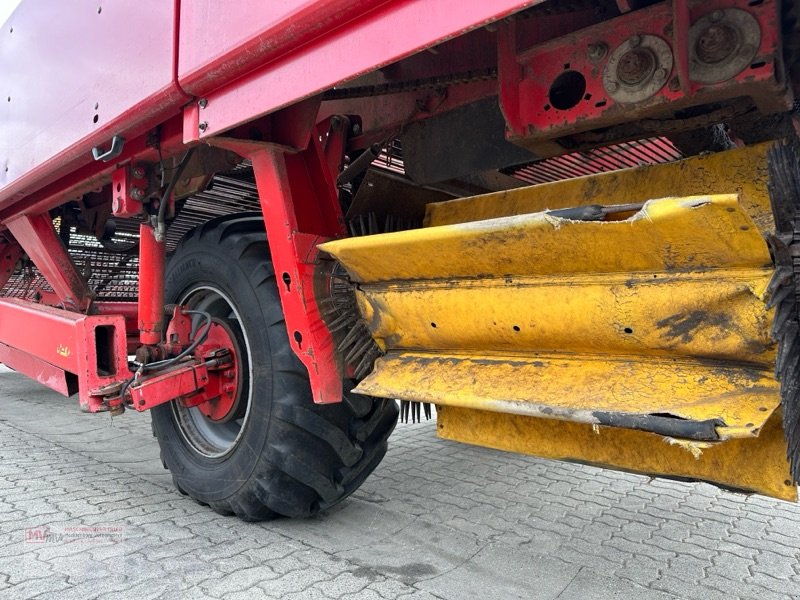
{"points": [[10, 253], [680, 43], [301, 210], [36, 235], [184, 380]]}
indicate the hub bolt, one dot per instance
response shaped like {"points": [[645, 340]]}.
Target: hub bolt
{"points": [[597, 51]]}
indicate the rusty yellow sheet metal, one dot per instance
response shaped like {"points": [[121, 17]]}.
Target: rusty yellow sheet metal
{"points": [[583, 388], [742, 171], [752, 464], [670, 234], [654, 320], [714, 315]]}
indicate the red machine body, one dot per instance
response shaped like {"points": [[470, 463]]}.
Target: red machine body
{"points": [[107, 97]]}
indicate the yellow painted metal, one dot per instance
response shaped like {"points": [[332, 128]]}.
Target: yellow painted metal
{"points": [[714, 314], [742, 171], [499, 308], [577, 389], [753, 464], [671, 234]]}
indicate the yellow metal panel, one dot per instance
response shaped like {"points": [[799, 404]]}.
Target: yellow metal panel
{"points": [[715, 314], [742, 171], [756, 465], [529, 330], [671, 234], [578, 388]]}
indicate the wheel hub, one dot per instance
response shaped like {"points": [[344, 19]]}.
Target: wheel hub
{"points": [[223, 398]]}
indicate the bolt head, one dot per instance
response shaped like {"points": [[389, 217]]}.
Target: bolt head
{"points": [[612, 86], [203, 126], [716, 16], [635, 41], [662, 73], [138, 172], [202, 103], [597, 51], [137, 193]]}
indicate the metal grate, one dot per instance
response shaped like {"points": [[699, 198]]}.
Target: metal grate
{"points": [[113, 275], [599, 160]]}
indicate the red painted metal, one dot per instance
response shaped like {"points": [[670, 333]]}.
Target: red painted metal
{"points": [[36, 368], [526, 77], [356, 47], [218, 399], [252, 35], [183, 380], [38, 238], [301, 210], [105, 69], [140, 147], [92, 347], [680, 43], [209, 381], [130, 312], [152, 255], [10, 253], [125, 187]]}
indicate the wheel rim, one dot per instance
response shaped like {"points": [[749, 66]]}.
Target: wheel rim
{"points": [[206, 437]]}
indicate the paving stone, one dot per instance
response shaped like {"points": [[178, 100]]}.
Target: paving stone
{"points": [[437, 521]]}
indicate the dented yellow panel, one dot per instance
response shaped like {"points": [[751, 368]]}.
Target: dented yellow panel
{"points": [[742, 171], [713, 314], [753, 464], [585, 389], [671, 234], [536, 333]]}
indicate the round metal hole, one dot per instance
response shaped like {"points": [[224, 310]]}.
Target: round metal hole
{"points": [[567, 90]]}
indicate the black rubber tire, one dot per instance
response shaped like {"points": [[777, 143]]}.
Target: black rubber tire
{"points": [[294, 458]]}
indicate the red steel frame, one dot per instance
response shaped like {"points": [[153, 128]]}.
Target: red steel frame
{"points": [[47, 343], [267, 77]]}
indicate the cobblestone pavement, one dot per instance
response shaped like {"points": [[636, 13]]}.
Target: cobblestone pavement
{"points": [[436, 520]]}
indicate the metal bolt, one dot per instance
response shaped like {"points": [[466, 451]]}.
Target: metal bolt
{"points": [[230, 374], [137, 194], [674, 84], [597, 51], [612, 86], [203, 126], [716, 16], [202, 103], [138, 172], [635, 40], [228, 388], [662, 73], [356, 129]]}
